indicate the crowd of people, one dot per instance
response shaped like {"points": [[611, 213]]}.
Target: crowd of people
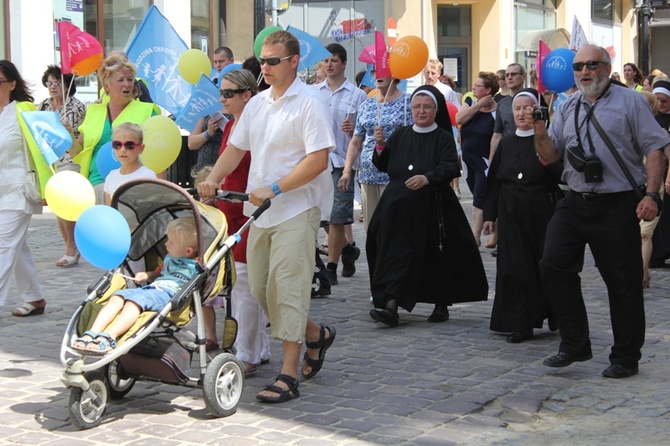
{"points": [[545, 181]]}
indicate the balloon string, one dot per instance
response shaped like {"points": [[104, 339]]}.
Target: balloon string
{"points": [[381, 109]]}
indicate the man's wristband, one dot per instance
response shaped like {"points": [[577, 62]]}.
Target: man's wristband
{"points": [[207, 137], [275, 189]]}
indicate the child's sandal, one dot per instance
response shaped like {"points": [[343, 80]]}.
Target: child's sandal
{"points": [[83, 341], [105, 342]]}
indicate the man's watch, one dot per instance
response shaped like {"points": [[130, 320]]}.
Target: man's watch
{"points": [[657, 198]]}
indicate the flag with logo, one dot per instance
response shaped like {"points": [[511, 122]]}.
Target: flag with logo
{"points": [[204, 101], [155, 49], [80, 52], [311, 49], [51, 137], [381, 56]]}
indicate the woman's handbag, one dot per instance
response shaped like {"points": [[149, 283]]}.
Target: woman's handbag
{"points": [[31, 189], [65, 163]]}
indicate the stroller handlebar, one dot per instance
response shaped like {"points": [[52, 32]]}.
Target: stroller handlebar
{"points": [[262, 208], [235, 197], [227, 195]]}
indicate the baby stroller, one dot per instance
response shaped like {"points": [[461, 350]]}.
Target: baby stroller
{"points": [[159, 347]]}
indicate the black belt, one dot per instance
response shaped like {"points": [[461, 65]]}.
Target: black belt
{"points": [[595, 195]]}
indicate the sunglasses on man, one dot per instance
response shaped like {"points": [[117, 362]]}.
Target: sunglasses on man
{"points": [[272, 61], [591, 65]]}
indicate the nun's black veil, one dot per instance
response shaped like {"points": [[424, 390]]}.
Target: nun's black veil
{"points": [[442, 117]]}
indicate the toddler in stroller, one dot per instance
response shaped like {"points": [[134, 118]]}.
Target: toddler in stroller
{"points": [[167, 343], [179, 266]]}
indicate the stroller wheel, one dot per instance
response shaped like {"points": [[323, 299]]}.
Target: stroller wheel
{"points": [[119, 384], [223, 384], [86, 412]]}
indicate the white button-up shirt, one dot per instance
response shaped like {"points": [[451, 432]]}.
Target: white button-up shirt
{"points": [[342, 103], [280, 133]]}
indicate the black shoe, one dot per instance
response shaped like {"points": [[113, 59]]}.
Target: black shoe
{"points": [[563, 359], [619, 371], [440, 314], [494, 253], [332, 276], [517, 337], [321, 291], [388, 315], [349, 256]]}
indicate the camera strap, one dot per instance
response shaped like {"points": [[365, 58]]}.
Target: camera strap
{"points": [[615, 154], [587, 120]]}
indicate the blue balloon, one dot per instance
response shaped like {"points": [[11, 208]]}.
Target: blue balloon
{"points": [[227, 68], [102, 236], [557, 73], [106, 160]]}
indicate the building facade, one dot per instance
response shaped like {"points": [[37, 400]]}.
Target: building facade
{"points": [[467, 35]]}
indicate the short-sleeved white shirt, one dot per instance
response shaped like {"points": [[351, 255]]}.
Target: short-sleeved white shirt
{"points": [[449, 94], [116, 178], [342, 102], [280, 133]]}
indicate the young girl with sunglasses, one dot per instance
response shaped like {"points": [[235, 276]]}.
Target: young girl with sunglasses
{"points": [[127, 146]]}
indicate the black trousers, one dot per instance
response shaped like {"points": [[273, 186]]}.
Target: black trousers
{"points": [[608, 224]]}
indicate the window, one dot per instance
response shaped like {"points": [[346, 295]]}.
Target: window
{"points": [[610, 11], [200, 13], [453, 22]]}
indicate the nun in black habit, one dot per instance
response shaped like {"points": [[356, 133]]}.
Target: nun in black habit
{"points": [[521, 194], [420, 247]]}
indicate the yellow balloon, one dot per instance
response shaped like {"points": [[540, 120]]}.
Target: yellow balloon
{"points": [[162, 143], [192, 63], [68, 194]]}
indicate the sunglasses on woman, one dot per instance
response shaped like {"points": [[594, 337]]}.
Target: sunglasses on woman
{"points": [[229, 92], [129, 145]]}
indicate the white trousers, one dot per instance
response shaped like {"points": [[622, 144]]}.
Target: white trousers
{"points": [[15, 258], [253, 343]]}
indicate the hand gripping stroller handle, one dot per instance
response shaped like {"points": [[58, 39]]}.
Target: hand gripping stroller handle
{"points": [[225, 195], [262, 208]]}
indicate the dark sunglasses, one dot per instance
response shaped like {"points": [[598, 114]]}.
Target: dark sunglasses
{"points": [[129, 145], [272, 61], [229, 93], [591, 65]]}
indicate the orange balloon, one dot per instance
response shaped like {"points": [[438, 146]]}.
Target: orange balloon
{"points": [[408, 57], [373, 93], [87, 66]]}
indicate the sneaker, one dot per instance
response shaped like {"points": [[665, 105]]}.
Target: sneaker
{"points": [[350, 254], [332, 276]]}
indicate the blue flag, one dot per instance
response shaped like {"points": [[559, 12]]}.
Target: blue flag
{"points": [[311, 49], [155, 50], [369, 79], [204, 101], [51, 136]]}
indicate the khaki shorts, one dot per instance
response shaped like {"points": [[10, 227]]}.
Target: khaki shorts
{"points": [[280, 263]]}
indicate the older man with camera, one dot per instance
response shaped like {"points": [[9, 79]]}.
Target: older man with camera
{"points": [[602, 132]]}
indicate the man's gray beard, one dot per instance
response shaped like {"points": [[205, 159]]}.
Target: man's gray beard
{"points": [[595, 89]]}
